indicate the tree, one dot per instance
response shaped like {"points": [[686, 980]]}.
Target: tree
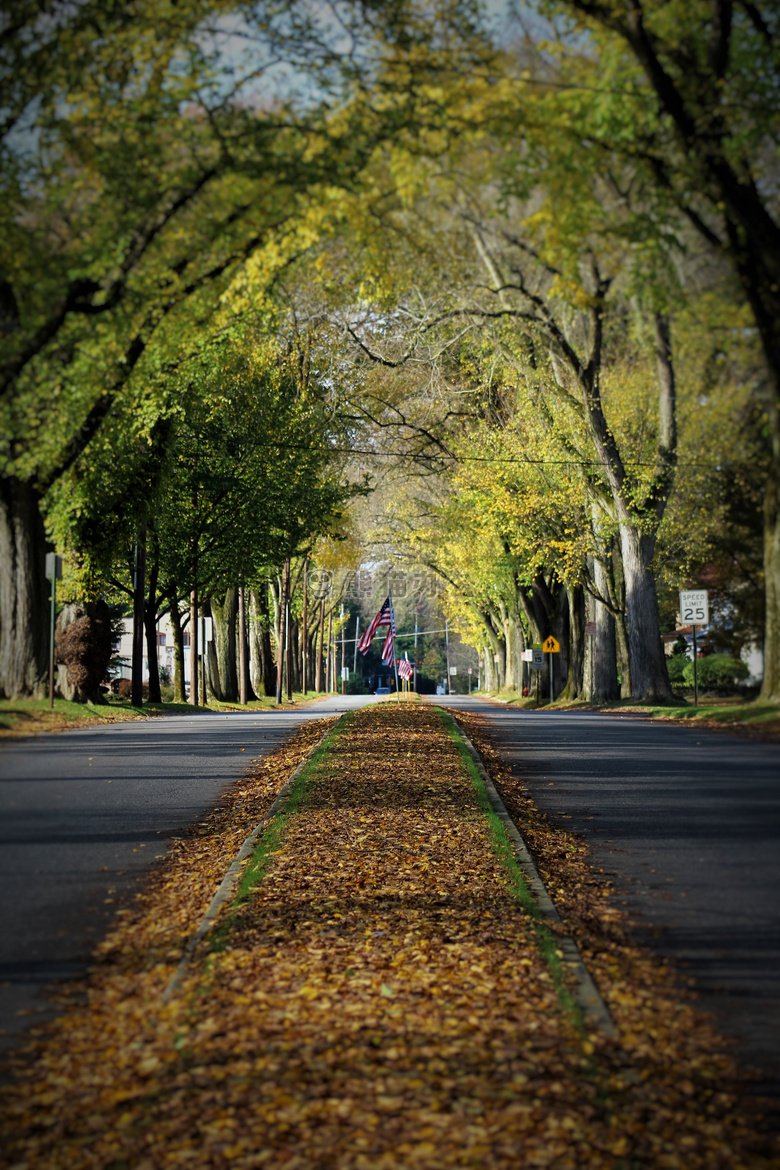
{"points": [[140, 179], [702, 81]]}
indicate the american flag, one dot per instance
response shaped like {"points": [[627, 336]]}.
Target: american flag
{"points": [[405, 668], [385, 617]]}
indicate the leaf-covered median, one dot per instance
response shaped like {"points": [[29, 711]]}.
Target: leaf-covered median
{"points": [[376, 997]]}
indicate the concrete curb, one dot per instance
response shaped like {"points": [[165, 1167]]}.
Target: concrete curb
{"points": [[593, 1008], [229, 882]]}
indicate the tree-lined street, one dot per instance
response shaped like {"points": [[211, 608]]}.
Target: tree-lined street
{"points": [[376, 346]]}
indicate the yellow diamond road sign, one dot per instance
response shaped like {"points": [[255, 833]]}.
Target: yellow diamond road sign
{"points": [[551, 646]]}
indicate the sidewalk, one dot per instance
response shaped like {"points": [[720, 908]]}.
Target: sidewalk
{"points": [[376, 996]]}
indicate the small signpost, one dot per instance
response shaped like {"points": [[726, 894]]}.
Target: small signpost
{"points": [[470, 673], [54, 574], [695, 611], [534, 656], [551, 646]]}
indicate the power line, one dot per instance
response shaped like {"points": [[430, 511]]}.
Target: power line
{"points": [[717, 463], [419, 634]]}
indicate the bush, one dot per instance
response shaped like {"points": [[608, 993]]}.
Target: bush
{"points": [[717, 670], [124, 689], [676, 667]]}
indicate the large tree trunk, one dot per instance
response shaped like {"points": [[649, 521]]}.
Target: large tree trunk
{"points": [[223, 669], [489, 676], [495, 652], [261, 648], [560, 628], [24, 592], [770, 688], [575, 596], [178, 649], [649, 678], [513, 641], [600, 666]]}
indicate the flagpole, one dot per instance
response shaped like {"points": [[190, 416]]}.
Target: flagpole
{"points": [[395, 660]]}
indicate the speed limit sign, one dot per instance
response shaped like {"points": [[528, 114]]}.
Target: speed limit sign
{"points": [[694, 607]]}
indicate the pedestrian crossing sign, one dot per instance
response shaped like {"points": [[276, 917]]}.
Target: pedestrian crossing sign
{"points": [[551, 646]]}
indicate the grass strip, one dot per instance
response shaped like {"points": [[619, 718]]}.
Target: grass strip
{"points": [[259, 863], [548, 944]]}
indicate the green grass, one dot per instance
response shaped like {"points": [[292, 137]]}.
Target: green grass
{"points": [[270, 842], [739, 712], [29, 716], [731, 710], [22, 715], [504, 850]]}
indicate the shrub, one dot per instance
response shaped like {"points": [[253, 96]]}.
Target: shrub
{"points": [[676, 667], [717, 670], [124, 689]]}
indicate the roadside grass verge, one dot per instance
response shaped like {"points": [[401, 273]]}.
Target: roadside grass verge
{"points": [[733, 713], [32, 716]]}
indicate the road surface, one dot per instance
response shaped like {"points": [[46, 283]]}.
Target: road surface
{"points": [[83, 815], [687, 822]]}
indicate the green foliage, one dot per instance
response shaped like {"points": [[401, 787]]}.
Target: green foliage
{"points": [[676, 666], [716, 670], [236, 477]]}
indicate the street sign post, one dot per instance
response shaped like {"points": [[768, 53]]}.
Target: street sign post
{"points": [[694, 607], [695, 611], [551, 646]]}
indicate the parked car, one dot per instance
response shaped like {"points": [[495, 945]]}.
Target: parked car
{"points": [[383, 690]]}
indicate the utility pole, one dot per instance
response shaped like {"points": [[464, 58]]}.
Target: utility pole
{"points": [[414, 684], [242, 662], [287, 634], [54, 573], [280, 646], [139, 578], [320, 647], [343, 653], [305, 631], [203, 649], [329, 657], [194, 647], [447, 642]]}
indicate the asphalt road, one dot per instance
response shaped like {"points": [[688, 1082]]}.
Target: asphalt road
{"points": [[687, 823], [84, 814]]}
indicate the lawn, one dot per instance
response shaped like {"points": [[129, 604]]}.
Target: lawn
{"points": [[31, 716]]}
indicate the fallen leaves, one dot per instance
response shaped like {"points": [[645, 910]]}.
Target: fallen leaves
{"points": [[376, 1000]]}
